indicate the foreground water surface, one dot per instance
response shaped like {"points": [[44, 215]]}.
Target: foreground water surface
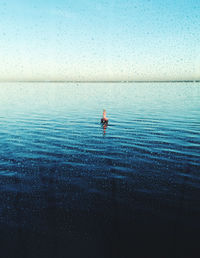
{"points": [[72, 188]]}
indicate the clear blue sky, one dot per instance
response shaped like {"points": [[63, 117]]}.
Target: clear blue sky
{"points": [[99, 40]]}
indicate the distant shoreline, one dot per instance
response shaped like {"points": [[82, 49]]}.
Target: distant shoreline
{"points": [[174, 81]]}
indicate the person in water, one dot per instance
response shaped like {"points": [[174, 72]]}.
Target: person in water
{"points": [[104, 119]]}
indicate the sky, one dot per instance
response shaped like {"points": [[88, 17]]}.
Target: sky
{"points": [[66, 40]]}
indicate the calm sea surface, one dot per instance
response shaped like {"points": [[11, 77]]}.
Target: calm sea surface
{"points": [[72, 188]]}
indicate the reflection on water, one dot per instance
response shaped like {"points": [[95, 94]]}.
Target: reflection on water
{"points": [[104, 126], [66, 179]]}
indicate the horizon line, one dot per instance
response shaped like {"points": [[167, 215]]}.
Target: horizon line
{"points": [[95, 81]]}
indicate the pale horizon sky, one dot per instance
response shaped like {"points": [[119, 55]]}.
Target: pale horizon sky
{"points": [[99, 40]]}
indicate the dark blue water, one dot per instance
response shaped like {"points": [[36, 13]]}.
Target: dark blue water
{"points": [[72, 188]]}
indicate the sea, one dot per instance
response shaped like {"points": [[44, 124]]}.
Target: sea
{"points": [[71, 187]]}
